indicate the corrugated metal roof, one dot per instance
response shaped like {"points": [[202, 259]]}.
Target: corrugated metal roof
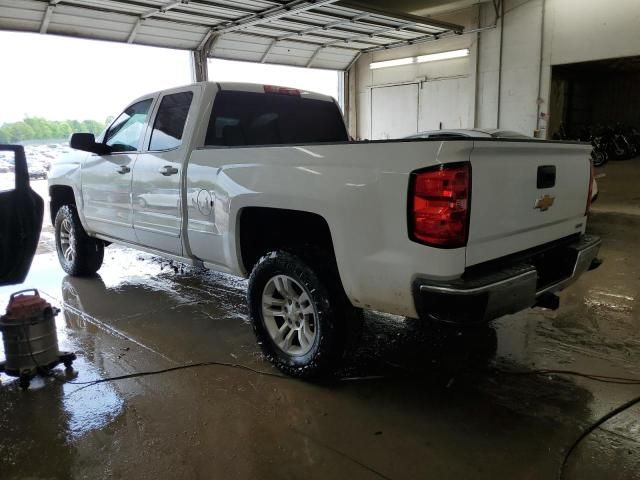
{"points": [[319, 33]]}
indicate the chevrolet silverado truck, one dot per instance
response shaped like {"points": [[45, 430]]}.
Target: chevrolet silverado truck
{"points": [[264, 182]]}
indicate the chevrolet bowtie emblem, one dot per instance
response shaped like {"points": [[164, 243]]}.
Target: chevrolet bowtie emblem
{"points": [[544, 203]]}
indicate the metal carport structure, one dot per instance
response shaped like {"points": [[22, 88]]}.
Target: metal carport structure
{"points": [[327, 34]]}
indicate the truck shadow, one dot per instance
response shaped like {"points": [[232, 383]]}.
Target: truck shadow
{"points": [[208, 321], [389, 349], [396, 346], [434, 381]]}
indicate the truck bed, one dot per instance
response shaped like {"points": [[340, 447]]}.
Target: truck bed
{"points": [[361, 190]]}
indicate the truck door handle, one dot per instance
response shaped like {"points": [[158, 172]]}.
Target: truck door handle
{"points": [[168, 170], [123, 169]]}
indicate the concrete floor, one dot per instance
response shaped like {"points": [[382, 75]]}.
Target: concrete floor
{"points": [[407, 403]]}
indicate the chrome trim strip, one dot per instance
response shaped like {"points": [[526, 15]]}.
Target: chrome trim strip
{"points": [[155, 230], [105, 220], [189, 261], [482, 289]]}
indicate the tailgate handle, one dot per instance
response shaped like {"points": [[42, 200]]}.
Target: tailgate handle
{"points": [[546, 176]]}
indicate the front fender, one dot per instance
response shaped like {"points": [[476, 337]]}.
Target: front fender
{"points": [[67, 172]]}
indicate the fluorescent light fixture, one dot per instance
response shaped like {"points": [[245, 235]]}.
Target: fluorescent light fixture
{"points": [[432, 57], [392, 63]]}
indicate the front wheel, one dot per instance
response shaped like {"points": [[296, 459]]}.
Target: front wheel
{"points": [[78, 253], [298, 319]]}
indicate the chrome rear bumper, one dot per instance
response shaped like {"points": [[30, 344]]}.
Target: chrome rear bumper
{"points": [[485, 297]]}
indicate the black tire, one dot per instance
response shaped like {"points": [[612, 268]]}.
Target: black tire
{"points": [[334, 313], [88, 253], [24, 382]]}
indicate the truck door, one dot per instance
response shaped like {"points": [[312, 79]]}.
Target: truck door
{"points": [[106, 179], [157, 194]]}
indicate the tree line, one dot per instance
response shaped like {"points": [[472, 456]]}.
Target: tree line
{"points": [[36, 128]]}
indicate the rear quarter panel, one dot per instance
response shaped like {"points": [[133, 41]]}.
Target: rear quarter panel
{"points": [[360, 189]]}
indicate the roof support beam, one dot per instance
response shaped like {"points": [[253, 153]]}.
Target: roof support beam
{"points": [[321, 38], [302, 41], [427, 22], [313, 57], [163, 8], [423, 39], [268, 50], [355, 38], [273, 13], [342, 24], [328, 26], [368, 22], [205, 39], [46, 19], [134, 30], [47, 15], [353, 62]]}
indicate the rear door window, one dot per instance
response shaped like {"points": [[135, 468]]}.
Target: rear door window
{"points": [[251, 118], [168, 126]]}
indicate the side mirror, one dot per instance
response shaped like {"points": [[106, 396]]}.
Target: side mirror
{"points": [[21, 211], [87, 143]]}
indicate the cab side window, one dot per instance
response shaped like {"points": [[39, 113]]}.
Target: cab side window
{"points": [[170, 120], [126, 131]]}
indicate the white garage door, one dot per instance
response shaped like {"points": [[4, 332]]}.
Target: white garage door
{"points": [[445, 103], [394, 111]]}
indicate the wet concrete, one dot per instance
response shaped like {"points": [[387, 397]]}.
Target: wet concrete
{"points": [[409, 402], [618, 187]]}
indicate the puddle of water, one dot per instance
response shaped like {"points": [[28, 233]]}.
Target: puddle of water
{"points": [[75, 410]]}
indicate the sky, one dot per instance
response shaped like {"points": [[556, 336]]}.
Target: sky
{"points": [[62, 78]]}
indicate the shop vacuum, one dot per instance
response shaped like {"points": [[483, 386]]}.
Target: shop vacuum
{"points": [[29, 336]]}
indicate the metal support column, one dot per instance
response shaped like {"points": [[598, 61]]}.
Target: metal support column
{"points": [[350, 96], [199, 67], [200, 57]]}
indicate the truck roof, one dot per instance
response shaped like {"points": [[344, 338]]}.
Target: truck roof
{"points": [[254, 88]]}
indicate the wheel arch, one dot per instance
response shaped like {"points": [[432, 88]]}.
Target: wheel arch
{"points": [[60, 196], [264, 229]]}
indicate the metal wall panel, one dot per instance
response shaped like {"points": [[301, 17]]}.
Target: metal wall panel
{"points": [[21, 14], [394, 111]]}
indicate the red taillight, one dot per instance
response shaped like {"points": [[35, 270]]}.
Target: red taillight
{"points": [[590, 192], [439, 206]]}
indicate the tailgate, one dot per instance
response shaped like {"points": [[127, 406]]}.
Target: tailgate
{"points": [[508, 199]]}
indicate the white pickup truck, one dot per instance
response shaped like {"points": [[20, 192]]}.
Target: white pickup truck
{"points": [[264, 182]]}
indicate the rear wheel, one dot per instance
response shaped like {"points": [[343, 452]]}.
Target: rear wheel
{"points": [[298, 313], [78, 253]]}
